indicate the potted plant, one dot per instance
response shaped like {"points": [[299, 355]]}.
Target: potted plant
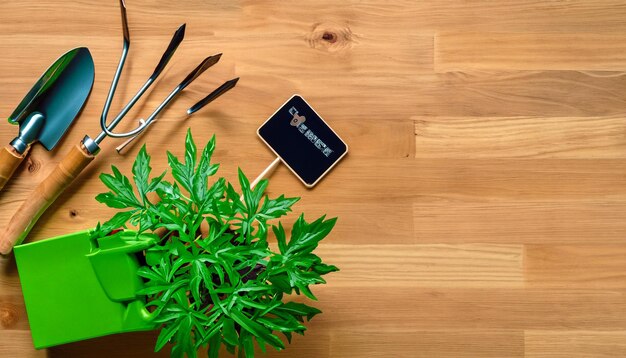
{"points": [[198, 264], [208, 275]]}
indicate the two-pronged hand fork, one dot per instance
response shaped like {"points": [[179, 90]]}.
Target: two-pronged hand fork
{"points": [[83, 153]]}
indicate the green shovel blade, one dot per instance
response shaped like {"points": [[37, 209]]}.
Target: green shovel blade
{"points": [[59, 95]]}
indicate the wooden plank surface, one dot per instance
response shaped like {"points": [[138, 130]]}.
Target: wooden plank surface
{"points": [[481, 208]]}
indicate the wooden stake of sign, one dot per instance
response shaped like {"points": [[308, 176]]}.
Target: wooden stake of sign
{"points": [[270, 168]]}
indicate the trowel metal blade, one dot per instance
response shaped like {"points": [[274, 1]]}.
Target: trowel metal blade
{"points": [[59, 95]]}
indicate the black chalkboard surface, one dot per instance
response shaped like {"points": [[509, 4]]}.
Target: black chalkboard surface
{"points": [[302, 140]]}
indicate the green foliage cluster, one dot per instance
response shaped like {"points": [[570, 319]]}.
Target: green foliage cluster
{"points": [[226, 287]]}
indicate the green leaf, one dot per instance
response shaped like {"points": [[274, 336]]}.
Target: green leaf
{"points": [[203, 172], [307, 292], [288, 336], [275, 208], [247, 344], [141, 171], [279, 232], [184, 173], [190, 151], [194, 287], [117, 221], [121, 195], [323, 269], [167, 191], [281, 283], [256, 329], [180, 172], [245, 190], [214, 346], [262, 345], [299, 309], [233, 203], [281, 325], [155, 183], [166, 316], [305, 237], [228, 330], [153, 290], [183, 339], [257, 193], [204, 273], [113, 201], [166, 334], [151, 274], [229, 348]]}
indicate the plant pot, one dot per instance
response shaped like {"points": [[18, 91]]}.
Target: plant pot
{"points": [[76, 288]]}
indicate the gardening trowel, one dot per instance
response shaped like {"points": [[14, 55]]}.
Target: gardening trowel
{"points": [[49, 107]]}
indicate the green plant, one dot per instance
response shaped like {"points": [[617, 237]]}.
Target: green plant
{"points": [[223, 284]]}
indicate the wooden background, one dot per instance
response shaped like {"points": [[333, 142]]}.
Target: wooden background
{"points": [[482, 206]]}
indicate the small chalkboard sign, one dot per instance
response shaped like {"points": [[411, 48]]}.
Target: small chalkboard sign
{"points": [[302, 140]]}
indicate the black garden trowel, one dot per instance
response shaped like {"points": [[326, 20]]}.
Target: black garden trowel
{"points": [[49, 107]]}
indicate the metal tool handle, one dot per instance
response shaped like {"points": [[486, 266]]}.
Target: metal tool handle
{"points": [[9, 161], [40, 199]]}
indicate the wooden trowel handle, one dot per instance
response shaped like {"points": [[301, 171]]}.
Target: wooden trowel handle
{"points": [[40, 199], [9, 161]]}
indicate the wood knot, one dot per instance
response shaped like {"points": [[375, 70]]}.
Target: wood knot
{"points": [[8, 315], [73, 213], [32, 165], [330, 37]]}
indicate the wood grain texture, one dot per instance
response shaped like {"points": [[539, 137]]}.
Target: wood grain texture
{"points": [[18, 344], [580, 344], [520, 137], [443, 265], [481, 208], [43, 196], [9, 161], [535, 51], [415, 343]]}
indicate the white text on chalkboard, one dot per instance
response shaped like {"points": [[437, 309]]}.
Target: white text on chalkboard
{"points": [[298, 122]]}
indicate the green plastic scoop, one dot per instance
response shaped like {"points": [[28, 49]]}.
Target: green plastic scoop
{"points": [[76, 288]]}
